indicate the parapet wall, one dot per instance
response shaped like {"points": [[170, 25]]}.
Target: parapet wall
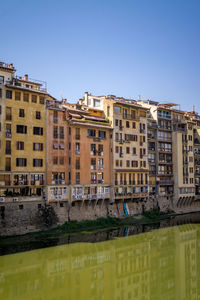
{"points": [[29, 216]]}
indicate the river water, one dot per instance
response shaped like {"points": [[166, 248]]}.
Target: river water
{"points": [[157, 264]]}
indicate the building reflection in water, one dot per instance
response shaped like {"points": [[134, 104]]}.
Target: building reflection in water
{"points": [[162, 264]]}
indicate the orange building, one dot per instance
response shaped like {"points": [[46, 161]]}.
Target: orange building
{"points": [[79, 153]]}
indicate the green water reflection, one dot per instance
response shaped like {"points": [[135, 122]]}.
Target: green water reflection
{"points": [[162, 264]]}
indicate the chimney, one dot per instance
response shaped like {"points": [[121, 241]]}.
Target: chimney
{"points": [[86, 98], [26, 77]]}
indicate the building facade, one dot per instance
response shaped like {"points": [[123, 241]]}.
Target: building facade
{"points": [[22, 136]]}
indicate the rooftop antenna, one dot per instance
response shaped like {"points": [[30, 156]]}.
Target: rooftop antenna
{"points": [[193, 109], [139, 97]]}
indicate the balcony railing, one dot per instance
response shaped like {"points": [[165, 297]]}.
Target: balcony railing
{"points": [[130, 117], [166, 182], [77, 137], [93, 167], [77, 152], [58, 181]]}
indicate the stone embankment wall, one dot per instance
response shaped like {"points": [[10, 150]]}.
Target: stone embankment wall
{"points": [[30, 216]]}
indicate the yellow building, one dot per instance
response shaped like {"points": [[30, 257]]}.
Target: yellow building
{"points": [[22, 136]]}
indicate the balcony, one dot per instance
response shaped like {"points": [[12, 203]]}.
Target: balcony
{"points": [[165, 127], [93, 181], [93, 167], [121, 127], [166, 182], [8, 168], [58, 181], [165, 150], [100, 181], [130, 117], [152, 149], [121, 155], [77, 152], [77, 137], [21, 182], [55, 120]]}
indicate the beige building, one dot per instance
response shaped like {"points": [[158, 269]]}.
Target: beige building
{"points": [[129, 145]]}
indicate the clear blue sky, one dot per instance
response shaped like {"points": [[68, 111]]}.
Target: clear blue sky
{"points": [[126, 48]]}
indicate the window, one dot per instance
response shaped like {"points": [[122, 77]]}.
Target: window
{"points": [[0, 93], [91, 132], [55, 145], [37, 115], [128, 163], [96, 103], [117, 109], [77, 148], [20, 145], [34, 98], [8, 131], [93, 163], [41, 99], [17, 96], [77, 133], [127, 150], [37, 146], [55, 116], [116, 122], [1, 79], [102, 134], [61, 132], [55, 160], [37, 162], [77, 166], [108, 111], [37, 130], [133, 125], [8, 113], [21, 129], [8, 147], [134, 150], [69, 130], [55, 132], [8, 94], [61, 160], [26, 97], [77, 177], [61, 146], [21, 113], [116, 149], [21, 162], [134, 163], [127, 124]]}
